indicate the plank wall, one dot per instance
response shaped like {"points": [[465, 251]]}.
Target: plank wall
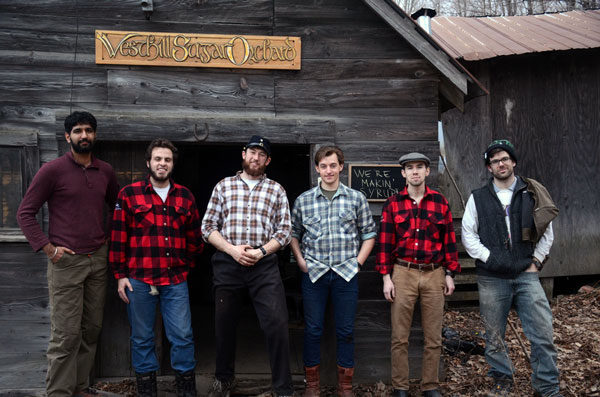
{"points": [[361, 87], [547, 106]]}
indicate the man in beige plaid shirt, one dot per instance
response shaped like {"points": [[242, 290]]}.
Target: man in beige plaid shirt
{"points": [[247, 220]]}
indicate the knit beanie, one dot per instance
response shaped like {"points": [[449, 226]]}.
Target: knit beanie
{"points": [[502, 144]]}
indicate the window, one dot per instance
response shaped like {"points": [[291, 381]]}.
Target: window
{"points": [[18, 162]]}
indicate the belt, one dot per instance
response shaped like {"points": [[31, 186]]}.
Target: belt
{"points": [[422, 267]]}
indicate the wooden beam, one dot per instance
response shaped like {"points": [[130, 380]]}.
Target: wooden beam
{"points": [[217, 125], [452, 94], [356, 93], [189, 88], [16, 135]]}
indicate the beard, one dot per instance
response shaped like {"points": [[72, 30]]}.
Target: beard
{"points": [[160, 178], [500, 177], [253, 171], [77, 148]]}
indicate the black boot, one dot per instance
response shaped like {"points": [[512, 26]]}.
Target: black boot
{"points": [[186, 384], [146, 384]]}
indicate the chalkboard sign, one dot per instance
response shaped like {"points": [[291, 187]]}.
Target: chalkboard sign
{"points": [[376, 181]]}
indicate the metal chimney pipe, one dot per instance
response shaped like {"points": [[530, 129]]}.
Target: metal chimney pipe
{"points": [[423, 18]]}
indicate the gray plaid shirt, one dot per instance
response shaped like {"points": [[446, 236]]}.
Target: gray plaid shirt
{"points": [[245, 216], [329, 231]]}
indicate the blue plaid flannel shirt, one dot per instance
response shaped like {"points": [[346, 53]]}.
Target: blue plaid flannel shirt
{"points": [[330, 232]]}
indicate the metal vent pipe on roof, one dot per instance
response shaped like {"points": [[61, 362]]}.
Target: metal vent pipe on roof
{"points": [[423, 18]]}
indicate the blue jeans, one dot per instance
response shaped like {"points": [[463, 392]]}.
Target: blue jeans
{"points": [[496, 295], [177, 319], [344, 296]]}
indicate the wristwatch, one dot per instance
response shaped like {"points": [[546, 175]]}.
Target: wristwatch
{"points": [[537, 264], [450, 273], [263, 250]]}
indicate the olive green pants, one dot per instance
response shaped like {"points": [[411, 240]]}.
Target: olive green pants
{"points": [[77, 289], [428, 287]]}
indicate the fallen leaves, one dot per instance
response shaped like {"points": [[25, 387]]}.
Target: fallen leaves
{"points": [[576, 336]]}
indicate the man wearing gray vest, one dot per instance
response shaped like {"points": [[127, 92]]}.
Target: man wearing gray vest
{"points": [[508, 230]]}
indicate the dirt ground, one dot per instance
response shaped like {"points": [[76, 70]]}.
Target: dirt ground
{"points": [[576, 335]]}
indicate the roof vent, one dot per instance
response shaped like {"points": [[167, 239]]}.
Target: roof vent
{"points": [[423, 18]]}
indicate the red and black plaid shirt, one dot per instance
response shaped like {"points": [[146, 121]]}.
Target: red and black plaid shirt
{"points": [[416, 233], [152, 241]]}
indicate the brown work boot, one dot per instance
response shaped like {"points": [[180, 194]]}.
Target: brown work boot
{"points": [[312, 381], [344, 388]]}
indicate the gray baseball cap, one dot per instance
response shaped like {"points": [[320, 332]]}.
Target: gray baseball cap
{"points": [[414, 156]]}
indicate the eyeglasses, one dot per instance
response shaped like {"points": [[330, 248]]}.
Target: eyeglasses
{"points": [[503, 160]]}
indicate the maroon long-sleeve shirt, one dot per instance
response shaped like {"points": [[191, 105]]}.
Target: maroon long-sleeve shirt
{"points": [[76, 198]]}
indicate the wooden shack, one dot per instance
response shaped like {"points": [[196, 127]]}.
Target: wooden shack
{"points": [[370, 81], [543, 75]]}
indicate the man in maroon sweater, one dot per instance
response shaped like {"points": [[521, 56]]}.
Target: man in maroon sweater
{"points": [[76, 187]]}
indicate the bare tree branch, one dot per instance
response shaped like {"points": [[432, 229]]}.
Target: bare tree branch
{"points": [[468, 8]]}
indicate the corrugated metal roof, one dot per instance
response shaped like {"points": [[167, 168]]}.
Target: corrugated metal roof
{"points": [[488, 37]]}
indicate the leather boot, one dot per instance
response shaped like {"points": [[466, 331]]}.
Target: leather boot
{"points": [[186, 384], [312, 380], [344, 388], [146, 384]]}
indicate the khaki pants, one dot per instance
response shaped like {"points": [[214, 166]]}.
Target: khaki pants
{"points": [[77, 289], [411, 284]]}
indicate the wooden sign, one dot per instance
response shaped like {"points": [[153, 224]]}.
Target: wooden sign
{"points": [[376, 181], [197, 50]]}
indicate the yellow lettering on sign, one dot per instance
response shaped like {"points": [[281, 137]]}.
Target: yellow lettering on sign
{"points": [[246, 50], [179, 49]]}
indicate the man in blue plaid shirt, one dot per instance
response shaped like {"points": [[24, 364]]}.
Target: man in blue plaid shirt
{"points": [[333, 233]]}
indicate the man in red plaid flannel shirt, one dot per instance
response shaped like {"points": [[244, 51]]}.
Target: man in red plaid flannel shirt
{"points": [[417, 257], [155, 236]]}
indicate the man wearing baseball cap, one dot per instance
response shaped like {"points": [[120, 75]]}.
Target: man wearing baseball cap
{"points": [[418, 258], [248, 220], [507, 229]]}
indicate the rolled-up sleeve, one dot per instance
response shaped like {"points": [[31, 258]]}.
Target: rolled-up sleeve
{"points": [[282, 221], [366, 224], [213, 218]]}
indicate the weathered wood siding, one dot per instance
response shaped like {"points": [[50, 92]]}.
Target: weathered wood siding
{"points": [[361, 86], [547, 105], [24, 317]]}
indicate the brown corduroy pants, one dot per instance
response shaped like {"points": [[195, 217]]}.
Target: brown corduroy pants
{"points": [[410, 285]]}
